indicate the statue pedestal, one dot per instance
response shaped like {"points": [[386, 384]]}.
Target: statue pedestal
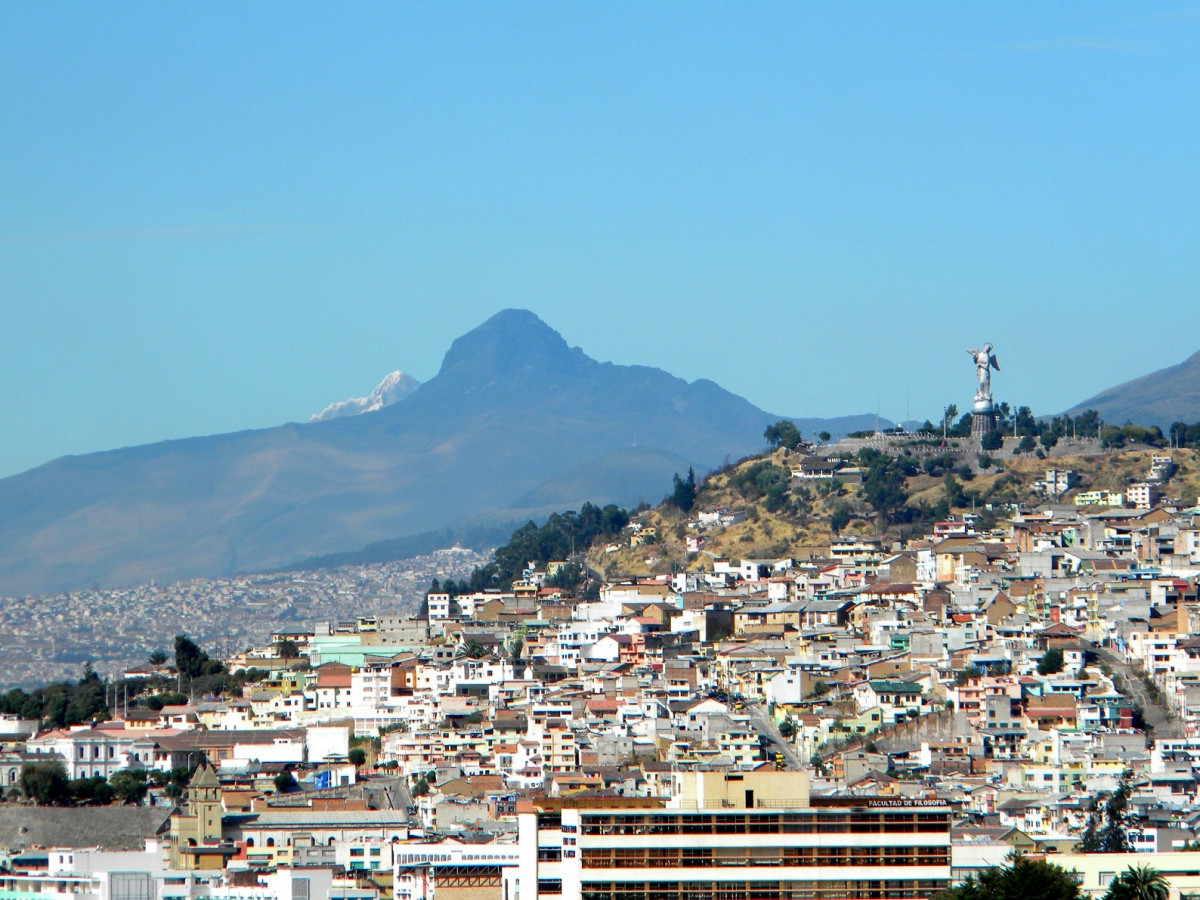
{"points": [[982, 421]]}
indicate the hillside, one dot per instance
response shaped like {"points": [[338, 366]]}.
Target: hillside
{"points": [[798, 523]]}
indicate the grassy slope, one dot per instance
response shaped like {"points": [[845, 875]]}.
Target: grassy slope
{"points": [[793, 532]]}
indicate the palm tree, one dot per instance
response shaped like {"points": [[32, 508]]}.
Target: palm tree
{"points": [[1139, 883]]}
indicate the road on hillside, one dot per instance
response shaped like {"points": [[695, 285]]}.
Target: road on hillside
{"points": [[1160, 722], [765, 726]]}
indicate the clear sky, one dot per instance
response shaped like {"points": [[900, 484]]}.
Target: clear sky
{"points": [[216, 216]]}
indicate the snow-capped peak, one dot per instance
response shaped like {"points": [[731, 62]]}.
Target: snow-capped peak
{"points": [[395, 387]]}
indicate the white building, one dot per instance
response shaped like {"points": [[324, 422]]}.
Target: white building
{"points": [[737, 836]]}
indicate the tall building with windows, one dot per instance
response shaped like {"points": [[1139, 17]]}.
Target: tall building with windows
{"points": [[732, 836]]}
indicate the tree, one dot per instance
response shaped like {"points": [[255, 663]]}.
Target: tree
{"points": [[157, 658], [970, 673], [1024, 421], [955, 496], [287, 649], [92, 790], [1139, 883], [683, 495], [783, 434], [1023, 879], [45, 783], [357, 757], [191, 661], [562, 536], [840, 518], [824, 437], [1105, 832], [948, 416], [1051, 662], [1026, 444], [569, 576], [516, 644], [173, 783], [884, 487], [129, 785], [991, 441], [284, 782]]}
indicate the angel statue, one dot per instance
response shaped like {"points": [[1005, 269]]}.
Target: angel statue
{"points": [[985, 361]]}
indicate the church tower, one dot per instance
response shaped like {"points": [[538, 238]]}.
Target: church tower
{"points": [[195, 839]]}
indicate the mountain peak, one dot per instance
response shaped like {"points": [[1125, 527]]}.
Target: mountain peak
{"points": [[511, 340], [394, 387]]}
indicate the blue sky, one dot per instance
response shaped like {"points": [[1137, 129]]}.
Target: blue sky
{"points": [[223, 216]]}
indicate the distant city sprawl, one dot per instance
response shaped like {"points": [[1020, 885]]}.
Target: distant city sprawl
{"points": [[50, 637]]}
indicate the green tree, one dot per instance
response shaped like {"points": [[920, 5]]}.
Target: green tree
{"points": [[173, 783], [1022, 879], [189, 658], [840, 518], [1139, 883], [516, 644], [561, 537], [568, 577], [955, 496], [884, 487], [783, 434], [157, 658], [1105, 832], [474, 649], [970, 673], [948, 416], [683, 494], [991, 441], [94, 790], [824, 437], [1051, 662], [285, 782], [357, 757], [129, 785], [1024, 422], [45, 783]]}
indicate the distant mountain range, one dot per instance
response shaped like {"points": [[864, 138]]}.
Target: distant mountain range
{"points": [[515, 424], [1160, 398]]}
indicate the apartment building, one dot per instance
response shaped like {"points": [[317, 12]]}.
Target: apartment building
{"points": [[732, 836]]}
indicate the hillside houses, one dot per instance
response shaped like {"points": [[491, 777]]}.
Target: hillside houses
{"points": [[1006, 673]]}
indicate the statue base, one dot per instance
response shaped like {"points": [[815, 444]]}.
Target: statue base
{"points": [[982, 421]]}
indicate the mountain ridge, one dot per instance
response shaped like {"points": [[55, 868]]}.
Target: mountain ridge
{"points": [[1167, 395], [512, 409]]}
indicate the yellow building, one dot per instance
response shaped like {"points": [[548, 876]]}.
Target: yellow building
{"points": [[195, 838]]}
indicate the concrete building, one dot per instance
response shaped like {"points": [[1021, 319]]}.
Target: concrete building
{"points": [[732, 835]]}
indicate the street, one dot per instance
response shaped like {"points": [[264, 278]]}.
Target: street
{"points": [[765, 726]]}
